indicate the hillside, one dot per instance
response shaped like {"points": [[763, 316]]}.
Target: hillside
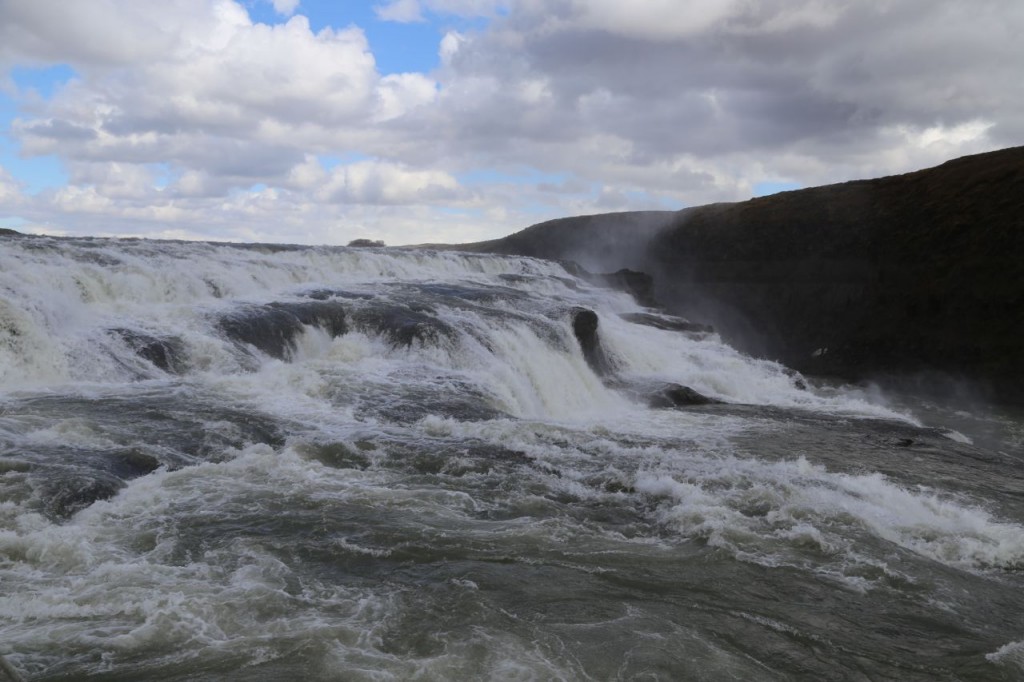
{"points": [[904, 275]]}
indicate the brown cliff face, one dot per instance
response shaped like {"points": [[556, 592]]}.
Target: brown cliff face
{"points": [[899, 275], [911, 273]]}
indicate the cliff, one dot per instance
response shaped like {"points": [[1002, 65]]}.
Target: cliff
{"points": [[899, 276]]}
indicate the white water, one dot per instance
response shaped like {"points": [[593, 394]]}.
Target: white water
{"points": [[514, 354], [61, 298]]}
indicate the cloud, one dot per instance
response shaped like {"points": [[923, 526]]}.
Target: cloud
{"points": [[285, 7], [114, 180], [235, 98], [104, 32], [722, 85], [10, 190], [409, 11], [648, 104], [401, 11], [374, 182]]}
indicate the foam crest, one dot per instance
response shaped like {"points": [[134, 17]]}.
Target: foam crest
{"points": [[717, 370], [755, 508], [1010, 655]]}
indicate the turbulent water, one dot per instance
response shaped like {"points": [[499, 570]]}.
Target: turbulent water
{"points": [[269, 463]]}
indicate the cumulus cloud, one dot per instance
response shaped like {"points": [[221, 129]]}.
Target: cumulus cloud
{"points": [[653, 103], [104, 32], [373, 182], [717, 88], [285, 7], [114, 180]]}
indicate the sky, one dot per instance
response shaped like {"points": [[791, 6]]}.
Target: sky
{"points": [[423, 121]]}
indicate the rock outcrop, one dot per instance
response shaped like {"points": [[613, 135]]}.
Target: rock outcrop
{"points": [[584, 327]]}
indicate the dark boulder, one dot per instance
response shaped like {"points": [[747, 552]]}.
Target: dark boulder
{"points": [[403, 324], [95, 477], [132, 463], [327, 294], [639, 285], [584, 328], [363, 243], [166, 353], [272, 328], [67, 495], [675, 395]]}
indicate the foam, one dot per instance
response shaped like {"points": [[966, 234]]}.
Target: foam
{"points": [[1011, 655], [754, 508], [61, 297]]}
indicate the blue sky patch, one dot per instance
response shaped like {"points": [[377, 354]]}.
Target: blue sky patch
{"points": [[331, 161], [37, 172], [397, 48], [43, 80]]}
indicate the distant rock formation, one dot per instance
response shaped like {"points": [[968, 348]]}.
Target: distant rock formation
{"points": [[900, 275], [362, 243]]}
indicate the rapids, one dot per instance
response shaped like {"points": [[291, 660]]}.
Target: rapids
{"points": [[226, 462]]}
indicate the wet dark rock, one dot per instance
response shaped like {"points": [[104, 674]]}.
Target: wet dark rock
{"points": [[403, 324], [272, 328], [415, 404], [327, 294], [334, 455], [668, 322], [269, 329], [67, 495], [179, 430], [584, 327], [617, 486], [798, 381], [904, 442], [133, 463], [166, 353], [639, 285], [676, 395], [176, 431], [93, 477]]}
